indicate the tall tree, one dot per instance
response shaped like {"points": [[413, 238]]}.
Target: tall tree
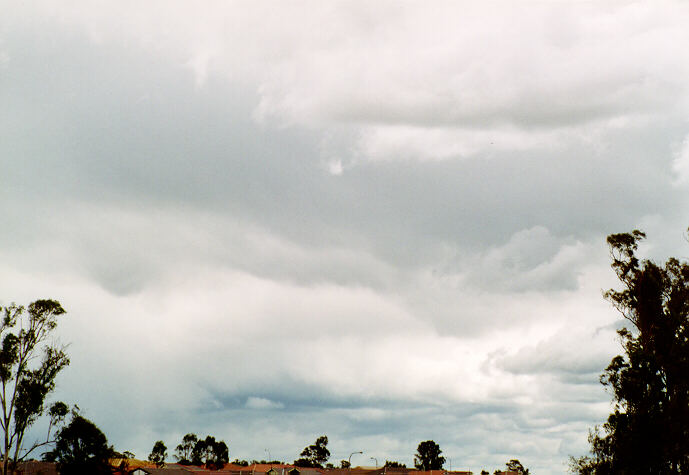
{"points": [[29, 365], [81, 447], [315, 455], [158, 454], [648, 432], [515, 465], [183, 452], [428, 456], [211, 453]]}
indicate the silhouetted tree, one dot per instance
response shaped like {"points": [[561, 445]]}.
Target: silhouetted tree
{"points": [[344, 464], [315, 455], [428, 456], [81, 447], [515, 465], [26, 376], [648, 432], [158, 454], [392, 464], [183, 452], [585, 465], [211, 453]]}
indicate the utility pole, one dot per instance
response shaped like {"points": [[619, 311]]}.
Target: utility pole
{"points": [[350, 459]]}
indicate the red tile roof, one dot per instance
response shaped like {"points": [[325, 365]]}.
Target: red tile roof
{"points": [[264, 467], [34, 467]]}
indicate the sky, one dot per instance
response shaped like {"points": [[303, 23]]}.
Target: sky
{"points": [[383, 222]]}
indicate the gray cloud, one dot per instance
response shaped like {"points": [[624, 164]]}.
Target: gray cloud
{"points": [[385, 224], [558, 355]]}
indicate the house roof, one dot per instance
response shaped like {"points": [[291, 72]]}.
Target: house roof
{"points": [[34, 467], [281, 469], [131, 463], [264, 467], [163, 470], [234, 466]]}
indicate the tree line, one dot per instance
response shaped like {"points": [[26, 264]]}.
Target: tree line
{"points": [[29, 365], [427, 457]]}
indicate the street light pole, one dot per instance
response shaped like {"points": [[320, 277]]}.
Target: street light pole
{"points": [[373, 458], [350, 459]]}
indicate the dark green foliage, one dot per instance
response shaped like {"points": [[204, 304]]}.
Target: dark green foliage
{"points": [[122, 455], [183, 452], [648, 432], [344, 463], [242, 463], [158, 454], [392, 464], [210, 453], [585, 465], [305, 463], [314, 455], [428, 457], [515, 465], [28, 369], [81, 448], [58, 411]]}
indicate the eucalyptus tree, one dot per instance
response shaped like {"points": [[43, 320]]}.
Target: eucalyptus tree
{"points": [[158, 454], [428, 456], [315, 455], [29, 365], [81, 447], [648, 430]]}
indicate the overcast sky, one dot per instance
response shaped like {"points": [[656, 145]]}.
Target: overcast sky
{"points": [[380, 221]]}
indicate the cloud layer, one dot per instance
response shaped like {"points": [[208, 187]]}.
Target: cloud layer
{"points": [[380, 222]]}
